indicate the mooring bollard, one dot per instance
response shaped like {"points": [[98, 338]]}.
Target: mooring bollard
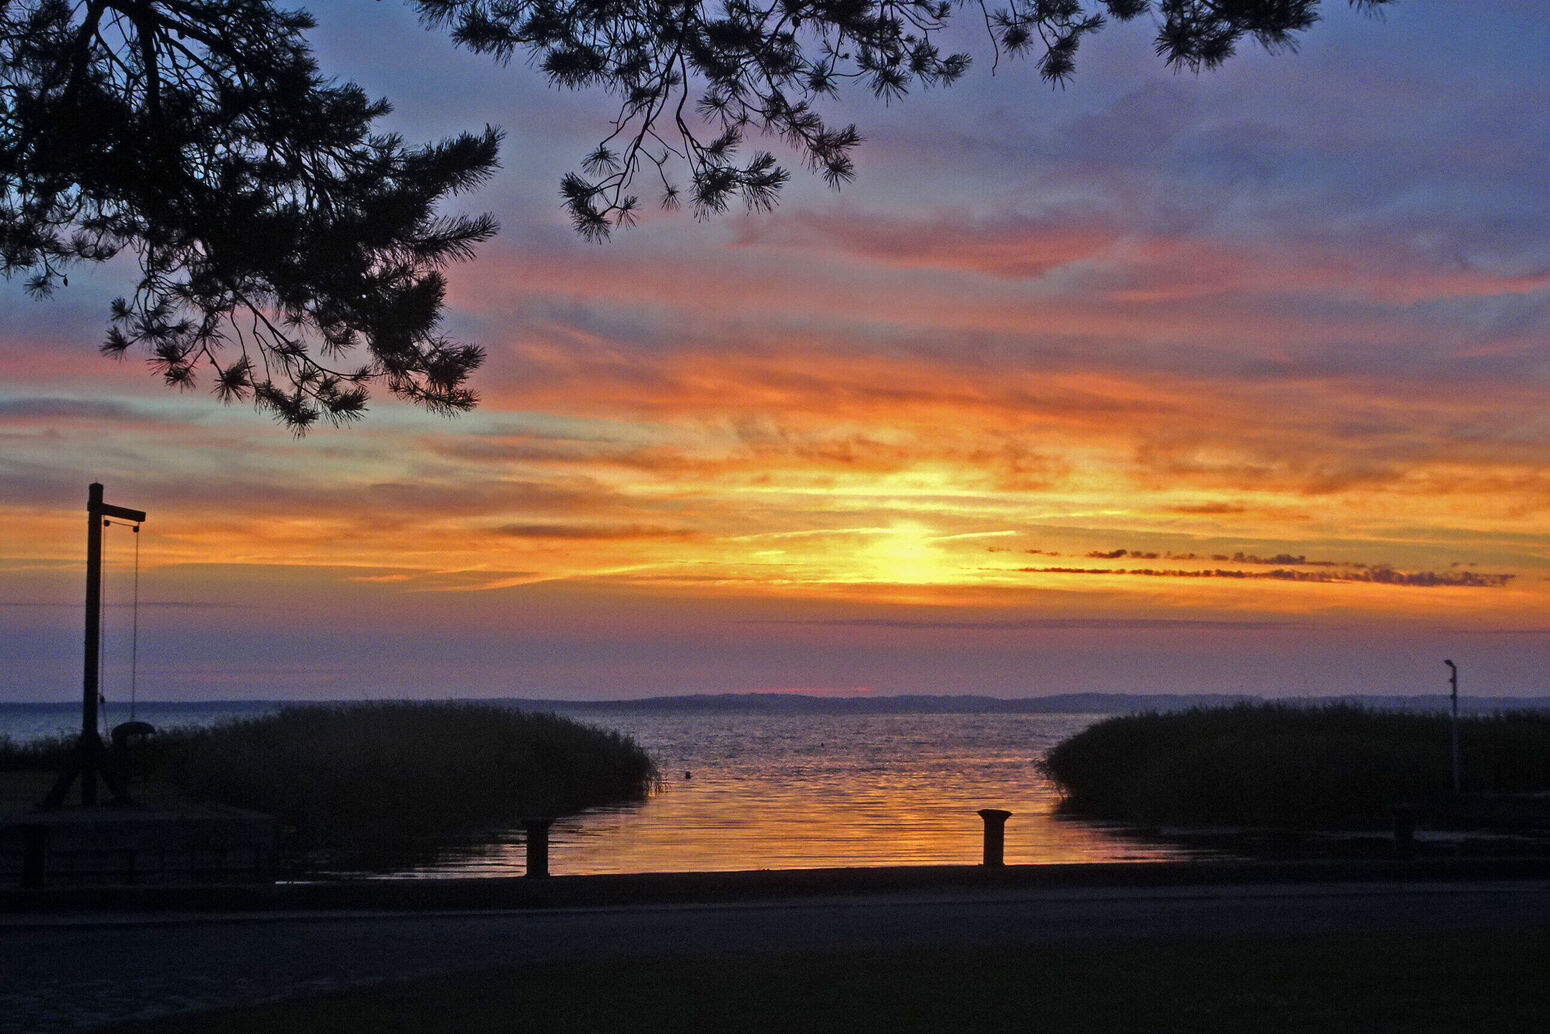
{"points": [[34, 854], [537, 846], [995, 834]]}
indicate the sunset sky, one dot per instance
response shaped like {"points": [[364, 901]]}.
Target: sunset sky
{"points": [[1152, 383]]}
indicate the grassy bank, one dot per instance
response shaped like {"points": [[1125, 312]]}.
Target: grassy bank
{"points": [[1412, 983], [380, 776], [1337, 766]]}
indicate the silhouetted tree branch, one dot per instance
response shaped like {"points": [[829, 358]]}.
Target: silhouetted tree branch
{"points": [[694, 79], [296, 255], [275, 231]]}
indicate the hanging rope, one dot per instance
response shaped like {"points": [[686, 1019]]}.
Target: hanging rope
{"points": [[134, 636], [102, 638]]}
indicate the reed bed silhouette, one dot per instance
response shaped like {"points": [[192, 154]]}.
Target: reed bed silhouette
{"points": [[1335, 766], [378, 776]]}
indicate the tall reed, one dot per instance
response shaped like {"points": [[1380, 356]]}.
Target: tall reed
{"points": [[45, 753]]}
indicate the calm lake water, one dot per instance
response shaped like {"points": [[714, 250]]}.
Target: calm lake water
{"points": [[751, 790]]}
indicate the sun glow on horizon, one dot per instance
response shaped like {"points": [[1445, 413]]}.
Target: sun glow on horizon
{"points": [[1220, 367]]}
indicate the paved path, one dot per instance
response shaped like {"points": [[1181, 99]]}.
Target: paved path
{"points": [[62, 974]]}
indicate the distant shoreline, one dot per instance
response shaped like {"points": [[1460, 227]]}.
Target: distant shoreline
{"points": [[802, 703]]}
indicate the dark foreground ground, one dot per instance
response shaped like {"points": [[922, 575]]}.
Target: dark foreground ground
{"points": [[1416, 984], [920, 950]]}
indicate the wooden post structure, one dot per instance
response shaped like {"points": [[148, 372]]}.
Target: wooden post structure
{"points": [[537, 847], [91, 757]]}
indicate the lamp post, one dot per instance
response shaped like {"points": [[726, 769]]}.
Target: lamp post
{"points": [[1453, 679]]}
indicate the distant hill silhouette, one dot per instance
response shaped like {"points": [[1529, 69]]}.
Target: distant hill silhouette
{"points": [[806, 703], [1059, 703]]}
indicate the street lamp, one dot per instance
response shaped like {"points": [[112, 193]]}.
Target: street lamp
{"points": [[1453, 679]]}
